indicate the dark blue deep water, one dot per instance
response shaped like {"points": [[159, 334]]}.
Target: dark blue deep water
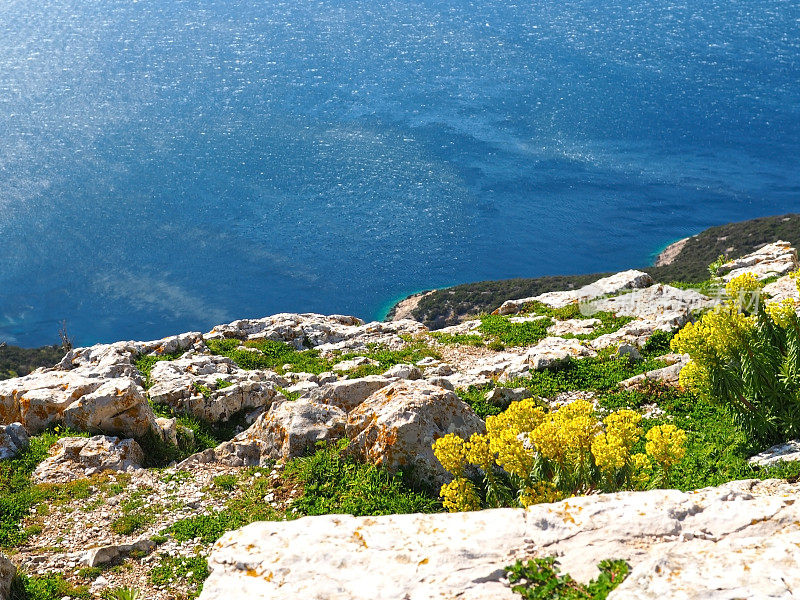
{"points": [[166, 165]]}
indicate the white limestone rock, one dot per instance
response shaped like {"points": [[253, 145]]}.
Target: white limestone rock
{"points": [[118, 407], [327, 333], [358, 361], [7, 573], [785, 452], [782, 289], [13, 440], [286, 431], [680, 545], [573, 327], [397, 425], [76, 458], [104, 555], [347, 394], [403, 371], [777, 258], [665, 306], [626, 280], [668, 375]]}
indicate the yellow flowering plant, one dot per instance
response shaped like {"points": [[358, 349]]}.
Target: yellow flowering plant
{"points": [[745, 354], [529, 455]]}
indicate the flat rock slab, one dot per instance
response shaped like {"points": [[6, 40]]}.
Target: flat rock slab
{"points": [[680, 545]]}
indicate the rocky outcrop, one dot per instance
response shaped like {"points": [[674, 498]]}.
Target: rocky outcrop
{"points": [[288, 430], [666, 375], [210, 387], [397, 425], [773, 259], [13, 440], [42, 399], [614, 284], [326, 332], [104, 555], [785, 452], [735, 541], [782, 289], [77, 457]]}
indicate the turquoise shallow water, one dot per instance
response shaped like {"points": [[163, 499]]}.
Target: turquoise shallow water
{"points": [[170, 165]]}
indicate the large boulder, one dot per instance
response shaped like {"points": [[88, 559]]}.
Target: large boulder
{"points": [[347, 394], [118, 407], [325, 332], [13, 440], [397, 425], [735, 541], [77, 457], [211, 388], [665, 306], [7, 573], [288, 430]]}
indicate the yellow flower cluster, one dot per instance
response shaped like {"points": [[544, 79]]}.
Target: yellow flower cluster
{"points": [[782, 313], [451, 452], [692, 376], [584, 453], [541, 492], [459, 495], [744, 283], [720, 333], [666, 444]]}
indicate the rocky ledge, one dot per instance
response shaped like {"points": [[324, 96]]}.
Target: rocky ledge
{"points": [[740, 540]]}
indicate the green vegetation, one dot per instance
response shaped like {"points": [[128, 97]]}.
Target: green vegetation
{"points": [[269, 354], [137, 513], [45, 587], [16, 361], [465, 339], [334, 482], [503, 330], [190, 571], [540, 579], [750, 364], [122, 593]]}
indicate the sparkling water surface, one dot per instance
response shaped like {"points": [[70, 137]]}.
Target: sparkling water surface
{"points": [[167, 166]]}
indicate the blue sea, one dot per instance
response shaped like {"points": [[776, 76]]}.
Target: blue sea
{"points": [[166, 165]]}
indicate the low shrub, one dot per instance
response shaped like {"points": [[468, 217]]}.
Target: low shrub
{"points": [[529, 456], [540, 579], [746, 356], [334, 482]]}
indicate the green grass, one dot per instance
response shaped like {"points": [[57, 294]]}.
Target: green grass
{"points": [[333, 482], [475, 397], [191, 571], [274, 355], [527, 333], [599, 373], [716, 451], [18, 494], [464, 339], [45, 587], [270, 355], [330, 482]]}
